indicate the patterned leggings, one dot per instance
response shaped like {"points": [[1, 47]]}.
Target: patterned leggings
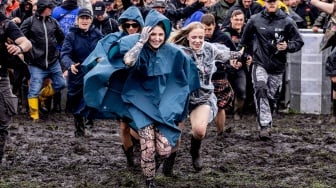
{"points": [[152, 141]]}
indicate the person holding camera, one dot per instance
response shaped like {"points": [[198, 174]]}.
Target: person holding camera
{"points": [[274, 34]]}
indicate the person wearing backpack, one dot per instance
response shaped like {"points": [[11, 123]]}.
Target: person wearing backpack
{"points": [[13, 43], [45, 34]]}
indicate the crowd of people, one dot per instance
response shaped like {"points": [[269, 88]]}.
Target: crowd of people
{"points": [[150, 65]]}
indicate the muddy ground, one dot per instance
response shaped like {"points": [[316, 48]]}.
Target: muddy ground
{"points": [[302, 153]]}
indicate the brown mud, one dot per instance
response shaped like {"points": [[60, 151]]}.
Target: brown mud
{"points": [[301, 153]]}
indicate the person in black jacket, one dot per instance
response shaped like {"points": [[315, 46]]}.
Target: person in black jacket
{"points": [[45, 34], [24, 11], [102, 21], [274, 34], [12, 42], [249, 8], [78, 44], [240, 79]]}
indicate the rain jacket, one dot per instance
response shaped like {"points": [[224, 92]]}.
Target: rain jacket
{"points": [[103, 46], [268, 29], [154, 91]]}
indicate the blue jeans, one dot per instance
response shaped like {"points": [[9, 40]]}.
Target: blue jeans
{"points": [[54, 72]]}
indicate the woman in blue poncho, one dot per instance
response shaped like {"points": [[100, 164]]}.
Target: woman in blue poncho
{"points": [[155, 93], [130, 22]]}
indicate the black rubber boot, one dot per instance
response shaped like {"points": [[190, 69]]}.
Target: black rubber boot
{"points": [[79, 124], [57, 102], [195, 154], [129, 156], [150, 183], [2, 145], [168, 165]]}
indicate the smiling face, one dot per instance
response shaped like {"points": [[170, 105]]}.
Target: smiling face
{"points": [[196, 39], [84, 22], [237, 22], [157, 37]]}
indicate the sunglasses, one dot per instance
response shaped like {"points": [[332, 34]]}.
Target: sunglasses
{"points": [[134, 25]]}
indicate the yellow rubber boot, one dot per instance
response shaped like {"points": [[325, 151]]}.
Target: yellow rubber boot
{"points": [[33, 108]]}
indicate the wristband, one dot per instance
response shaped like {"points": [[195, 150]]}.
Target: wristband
{"points": [[20, 48]]}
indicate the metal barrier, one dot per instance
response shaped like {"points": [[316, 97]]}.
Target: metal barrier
{"points": [[308, 90]]}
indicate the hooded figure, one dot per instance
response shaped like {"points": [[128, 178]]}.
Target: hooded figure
{"points": [[129, 98], [157, 78], [24, 11], [95, 81]]}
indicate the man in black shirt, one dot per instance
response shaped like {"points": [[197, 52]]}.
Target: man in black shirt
{"points": [[12, 43]]}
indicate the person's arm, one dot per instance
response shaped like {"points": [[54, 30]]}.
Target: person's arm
{"points": [[133, 54], [67, 51], [186, 11], [325, 7], [23, 43], [18, 43]]}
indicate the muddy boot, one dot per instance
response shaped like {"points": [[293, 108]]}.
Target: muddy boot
{"points": [[238, 108], [333, 115], [79, 124], [168, 165], [57, 102], [265, 133], [88, 123], [129, 156], [2, 145], [150, 183], [195, 154], [158, 161]]}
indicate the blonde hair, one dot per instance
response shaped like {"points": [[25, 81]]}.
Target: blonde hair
{"points": [[180, 37]]}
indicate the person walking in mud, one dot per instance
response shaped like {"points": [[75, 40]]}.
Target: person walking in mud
{"points": [[154, 96], [203, 102], [130, 22], [12, 43], [45, 34], [78, 44], [274, 34]]}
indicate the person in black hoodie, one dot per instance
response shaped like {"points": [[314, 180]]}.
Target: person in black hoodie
{"points": [[24, 11], [274, 34]]}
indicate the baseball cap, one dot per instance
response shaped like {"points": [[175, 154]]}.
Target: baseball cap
{"points": [[108, 2], [158, 3], [84, 12], [99, 8]]}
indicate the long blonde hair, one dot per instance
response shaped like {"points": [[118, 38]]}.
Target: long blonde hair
{"points": [[180, 37]]}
